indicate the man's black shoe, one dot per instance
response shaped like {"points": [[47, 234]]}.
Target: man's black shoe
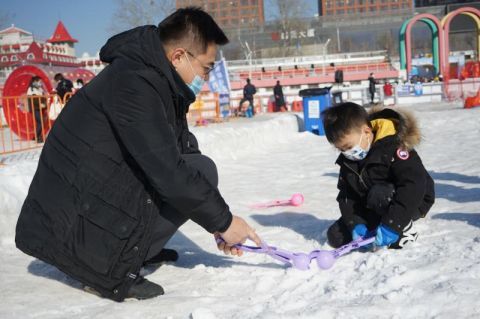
{"points": [[144, 289], [165, 255]]}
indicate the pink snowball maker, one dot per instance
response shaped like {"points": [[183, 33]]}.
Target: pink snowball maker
{"points": [[296, 200]]}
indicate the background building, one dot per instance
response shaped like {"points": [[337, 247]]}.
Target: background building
{"points": [[428, 3], [229, 13], [340, 7], [18, 47]]}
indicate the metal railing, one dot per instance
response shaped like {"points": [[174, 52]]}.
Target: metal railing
{"points": [[295, 73], [26, 120]]}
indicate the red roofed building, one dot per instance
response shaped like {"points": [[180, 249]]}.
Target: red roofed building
{"points": [[18, 47], [62, 38], [61, 35]]}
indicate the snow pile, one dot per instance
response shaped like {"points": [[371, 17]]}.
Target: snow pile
{"points": [[240, 138], [264, 159], [14, 183]]}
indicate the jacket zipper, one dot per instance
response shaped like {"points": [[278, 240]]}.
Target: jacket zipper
{"points": [[359, 175]]}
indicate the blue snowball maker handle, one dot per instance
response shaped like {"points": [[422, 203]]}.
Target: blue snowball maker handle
{"points": [[385, 236], [358, 231]]}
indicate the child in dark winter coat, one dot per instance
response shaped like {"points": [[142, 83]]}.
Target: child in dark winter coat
{"points": [[383, 185]]}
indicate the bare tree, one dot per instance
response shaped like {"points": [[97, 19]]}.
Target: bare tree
{"points": [[133, 13]]}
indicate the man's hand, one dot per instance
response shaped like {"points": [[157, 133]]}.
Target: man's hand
{"points": [[238, 232]]}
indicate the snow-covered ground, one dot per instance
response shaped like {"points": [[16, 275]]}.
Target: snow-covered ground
{"points": [[436, 277]]}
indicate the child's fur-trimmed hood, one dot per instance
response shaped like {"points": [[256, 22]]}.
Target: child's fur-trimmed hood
{"points": [[404, 122]]}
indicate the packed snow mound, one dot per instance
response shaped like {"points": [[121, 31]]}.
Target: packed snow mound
{"points": [[14, 183], [240, 138]]}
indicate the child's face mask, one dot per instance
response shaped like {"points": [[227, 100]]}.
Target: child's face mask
{"points": [[357, 153]]}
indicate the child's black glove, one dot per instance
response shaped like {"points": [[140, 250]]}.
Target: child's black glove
{"points": [[379, 197]]}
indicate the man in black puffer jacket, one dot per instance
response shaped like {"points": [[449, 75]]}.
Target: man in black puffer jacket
{"points": [[120, 172]]}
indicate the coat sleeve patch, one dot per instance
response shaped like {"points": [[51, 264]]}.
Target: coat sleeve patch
{"points": [[403, 154]]}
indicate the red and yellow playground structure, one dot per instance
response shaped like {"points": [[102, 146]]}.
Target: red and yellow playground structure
{"points": [[16, 113], [440, 29]]}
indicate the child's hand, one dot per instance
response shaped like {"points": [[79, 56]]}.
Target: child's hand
{"points": [[385, 236], [358, 231]]}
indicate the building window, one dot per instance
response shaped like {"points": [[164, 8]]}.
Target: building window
{"points": [[14, 58], [30, 56], [4, 59]]}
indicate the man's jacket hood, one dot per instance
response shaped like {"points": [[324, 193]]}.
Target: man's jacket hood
{"points": [[143, 45]]}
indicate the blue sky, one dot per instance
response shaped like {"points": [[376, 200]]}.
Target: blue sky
{"points": [[87, 21]]}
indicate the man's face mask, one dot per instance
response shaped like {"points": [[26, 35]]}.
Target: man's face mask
{"points": [[197, 82], [357, 153]]}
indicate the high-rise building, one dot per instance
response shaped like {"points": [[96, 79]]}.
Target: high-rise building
{"points": [[429, 3], [230, 13], [342, 7]]}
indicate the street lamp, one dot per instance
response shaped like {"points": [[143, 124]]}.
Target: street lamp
{"points": [[249, 58], [324, 54]]}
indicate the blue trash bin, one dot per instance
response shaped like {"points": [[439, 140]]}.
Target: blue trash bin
{"points": [[315, 101]]}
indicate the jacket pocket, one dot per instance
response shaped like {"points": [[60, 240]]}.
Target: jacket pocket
{"points": [[100, 234]]}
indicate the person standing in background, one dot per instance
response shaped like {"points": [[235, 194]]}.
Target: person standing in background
{"points": [[249, 91], [279, 98], [371, 87], [37, 102], [64, 86]]}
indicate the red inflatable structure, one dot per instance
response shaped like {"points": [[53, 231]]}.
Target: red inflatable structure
{"points": [[472, 101], [20, 121]]}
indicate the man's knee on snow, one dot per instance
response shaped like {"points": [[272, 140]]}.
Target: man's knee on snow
{"points": [[204, 165], [211, 171]]}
